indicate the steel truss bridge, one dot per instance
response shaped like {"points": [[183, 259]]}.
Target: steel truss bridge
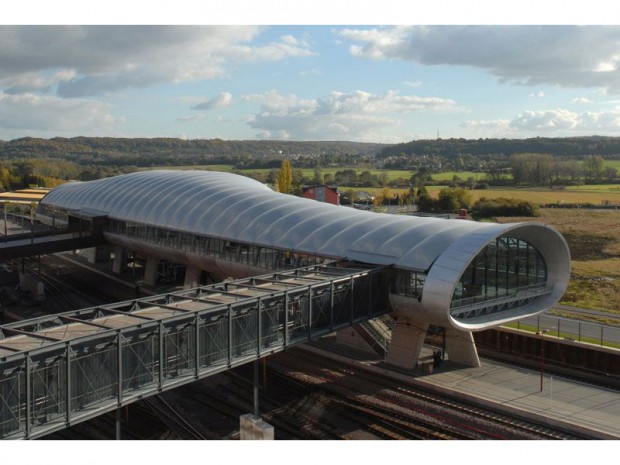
{"points": [[60, 370]]}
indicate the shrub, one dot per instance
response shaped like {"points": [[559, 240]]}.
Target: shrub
{"points": [[488, 208]]}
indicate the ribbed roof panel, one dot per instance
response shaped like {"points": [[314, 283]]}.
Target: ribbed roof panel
{"points": [[240, 209]]}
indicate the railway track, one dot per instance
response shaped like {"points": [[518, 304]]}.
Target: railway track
{"points": [[142, 423], [235, 397], [382, 392], [382, 419], [176, 421]]}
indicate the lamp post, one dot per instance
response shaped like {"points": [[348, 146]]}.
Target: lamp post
{"points": [[542, 355]]}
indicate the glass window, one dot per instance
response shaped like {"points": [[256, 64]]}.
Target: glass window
{"points": [[505, 268]]}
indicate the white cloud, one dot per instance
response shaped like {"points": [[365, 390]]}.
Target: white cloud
{"points": [[494, 128], [558, 122], [48, 113], [539, 94], [99, 59], [413, 83], [223, 100], [607, 65], [568, 56], [356, 115], [190, 118], [548, 120], [582, 101], [35, 82]]}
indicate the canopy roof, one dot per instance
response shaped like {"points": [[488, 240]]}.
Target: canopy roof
{"points": [[238, 208]]}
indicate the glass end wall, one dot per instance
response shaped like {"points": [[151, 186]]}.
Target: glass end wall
{"points": [[507, 273]]}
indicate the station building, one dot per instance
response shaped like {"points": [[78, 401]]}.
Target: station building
{"points": [[322, 193], [461, 275]]}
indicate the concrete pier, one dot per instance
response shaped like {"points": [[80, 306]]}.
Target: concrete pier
{"points": [[252, 428]]}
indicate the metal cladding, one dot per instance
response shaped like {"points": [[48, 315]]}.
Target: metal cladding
{"points": [[237, 208]]}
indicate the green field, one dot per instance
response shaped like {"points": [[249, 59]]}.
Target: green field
{"points": [[546, 196], [598, 188], [391, 174], [309, 172], [463, 175], [227, 168], [536, 196]]}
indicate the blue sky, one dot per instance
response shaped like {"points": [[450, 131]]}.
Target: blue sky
{"points": [[365, 83]]}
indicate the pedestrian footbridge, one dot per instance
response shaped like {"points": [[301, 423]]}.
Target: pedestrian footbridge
{"points": [[59, 370]]}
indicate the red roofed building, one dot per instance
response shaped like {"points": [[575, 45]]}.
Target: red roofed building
{"points": [[322, 193]]}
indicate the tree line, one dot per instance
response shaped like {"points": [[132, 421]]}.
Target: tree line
{"points": [[562, 161], [538, 169], [145, 152], [574, 147]]}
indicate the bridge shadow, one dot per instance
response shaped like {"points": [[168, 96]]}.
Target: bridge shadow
{"points": [[340, 398]]}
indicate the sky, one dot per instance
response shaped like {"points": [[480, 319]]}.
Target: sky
{"points": [[314, 73]]}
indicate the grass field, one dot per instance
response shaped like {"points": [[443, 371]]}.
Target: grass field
{"points": [[536, 196], [463, 175], [599, 188], [546, 196], [309, 172], [594, 241]]}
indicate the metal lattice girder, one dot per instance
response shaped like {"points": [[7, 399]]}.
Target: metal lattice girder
{"points": [[12, 402], [114, 354], [93, 377]]}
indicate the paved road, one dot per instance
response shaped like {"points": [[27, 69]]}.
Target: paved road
{"points": [[574, 328], [579, 313]]}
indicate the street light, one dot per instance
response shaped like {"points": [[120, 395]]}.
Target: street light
{"points": [[542, 355]]}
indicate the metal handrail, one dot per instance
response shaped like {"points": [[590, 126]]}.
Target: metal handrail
{"points": [[531, 290]]}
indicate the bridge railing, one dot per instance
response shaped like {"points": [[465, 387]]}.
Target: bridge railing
{"points": [[122, 352]]}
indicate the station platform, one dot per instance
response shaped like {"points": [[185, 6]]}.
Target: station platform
{"points": [[576, 406]]}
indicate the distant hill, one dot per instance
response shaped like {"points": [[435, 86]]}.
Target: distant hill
{"points": [[571, 147], [433, 153], [162, 151]]}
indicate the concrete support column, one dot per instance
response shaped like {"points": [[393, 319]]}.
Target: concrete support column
{"points": [[95, 254], [192, 278], [461, 348], [89, 254], [252, 428], [117, 261], [407, 341], [31, 284], [150, 271]]}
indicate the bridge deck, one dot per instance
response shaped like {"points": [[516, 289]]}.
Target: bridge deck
{"points": [[44, 242], [62, 369]]}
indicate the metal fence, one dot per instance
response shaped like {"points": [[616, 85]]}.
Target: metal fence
{"points": [[571, 329]]}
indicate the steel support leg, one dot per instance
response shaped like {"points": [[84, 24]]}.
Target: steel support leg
{"points": [[118, 424], [256, 412]]}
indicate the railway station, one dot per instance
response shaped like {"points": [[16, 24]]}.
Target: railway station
{"points": [[457, 275]]}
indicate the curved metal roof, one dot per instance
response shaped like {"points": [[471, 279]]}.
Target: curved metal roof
{"points": [[238, 208]]}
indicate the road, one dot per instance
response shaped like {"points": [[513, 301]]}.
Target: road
{"points": [[577, 327]]}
